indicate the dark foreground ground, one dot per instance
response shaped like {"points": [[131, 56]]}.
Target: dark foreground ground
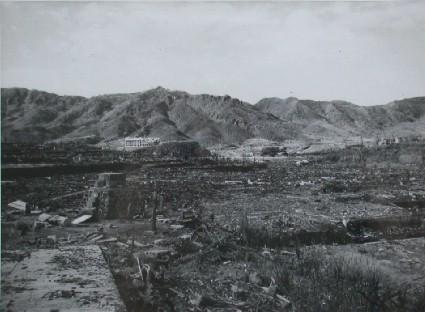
{"points": [[330, 234]]}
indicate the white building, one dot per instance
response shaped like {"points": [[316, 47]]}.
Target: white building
{"points": [[137, 142], [389, 141]]}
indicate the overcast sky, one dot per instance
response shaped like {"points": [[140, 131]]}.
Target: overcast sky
{"points": [[364, 52]]}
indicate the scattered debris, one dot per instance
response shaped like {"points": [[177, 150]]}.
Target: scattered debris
{"points": [[81, 219], [18, 205], [44, 217], [57, 220], [227, 236]]}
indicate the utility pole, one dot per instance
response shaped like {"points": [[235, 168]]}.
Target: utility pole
{"points": [[154, 207]]}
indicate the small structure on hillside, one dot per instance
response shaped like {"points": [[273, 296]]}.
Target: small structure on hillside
{"points": [[273, 151], [399, 140], [389, 141], [132, 143]]}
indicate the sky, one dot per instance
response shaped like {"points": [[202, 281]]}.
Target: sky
{"points": [[367, 53]]}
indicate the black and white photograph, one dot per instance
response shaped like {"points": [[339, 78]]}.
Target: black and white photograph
{"points": [[204, 156]]}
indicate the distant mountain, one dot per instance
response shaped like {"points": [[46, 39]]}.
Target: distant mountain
{"points": [[330, 119], [36, 116]]}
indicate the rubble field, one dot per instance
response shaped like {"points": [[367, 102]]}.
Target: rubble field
{"points": [[298, 233]]}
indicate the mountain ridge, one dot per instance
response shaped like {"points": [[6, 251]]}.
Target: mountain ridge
{"points": [[32, 115], [316, 116], [39, 116]]}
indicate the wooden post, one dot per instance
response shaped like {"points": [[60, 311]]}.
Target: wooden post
{"points": [[145, 208], [161, 202], [154, 207]]}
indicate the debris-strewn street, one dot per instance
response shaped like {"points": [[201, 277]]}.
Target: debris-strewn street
{"points": [[317, 232]]}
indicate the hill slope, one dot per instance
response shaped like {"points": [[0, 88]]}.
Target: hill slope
{"points": [[318, 119], [36, 116]]}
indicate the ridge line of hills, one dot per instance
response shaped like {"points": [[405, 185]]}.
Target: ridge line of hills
{"points": [[38, 116]]}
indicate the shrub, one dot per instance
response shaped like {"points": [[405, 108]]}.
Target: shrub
{"points": [[314, 282]]}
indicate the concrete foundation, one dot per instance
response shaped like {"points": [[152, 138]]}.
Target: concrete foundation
{"points": [[70, 279]]}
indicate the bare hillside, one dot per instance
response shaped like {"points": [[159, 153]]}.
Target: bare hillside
{"points": [[343, 119], [35, 116]]}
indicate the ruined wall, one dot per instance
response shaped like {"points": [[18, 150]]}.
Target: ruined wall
{"points": [[121, 203]]}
